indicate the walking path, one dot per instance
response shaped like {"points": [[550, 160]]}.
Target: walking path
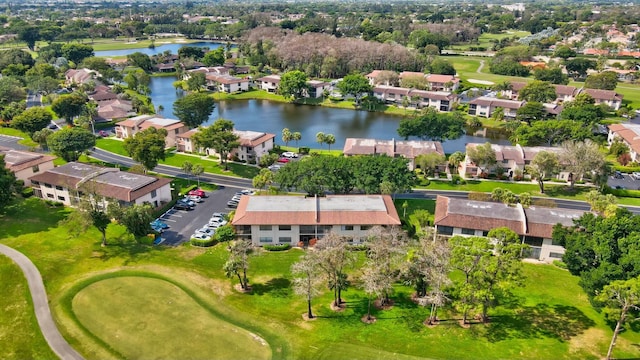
{"points": [[41, 305], [480, 67]]}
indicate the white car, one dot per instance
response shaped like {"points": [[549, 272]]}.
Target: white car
{"points": [[218, 214], [247, 192], [636, 175], [206, 230], [275, 167], [201, 236], [217, 223], [289, 154], [195, 198], [236, 198]]}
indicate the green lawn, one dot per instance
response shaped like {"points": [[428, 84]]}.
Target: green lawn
{"points": [[211, 166], [19, 333], [486, 39], [185, 288], [153, 303], [26, 140]]}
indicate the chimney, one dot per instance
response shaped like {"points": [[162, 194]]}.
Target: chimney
{"points": [[317, 208]]}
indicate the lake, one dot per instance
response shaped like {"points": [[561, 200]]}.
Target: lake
{"points": [[272, 117], [159, 49]]}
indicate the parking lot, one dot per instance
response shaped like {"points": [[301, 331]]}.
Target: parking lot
{"points": [[182, 223], [624, 182]]}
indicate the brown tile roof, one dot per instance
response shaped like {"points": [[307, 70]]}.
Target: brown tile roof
{"points": [[566, 90], [411, 74], [603, 94], [16, 160], [187, 134], [442, 79], [408, 149], [270, 78], [329, 210], [495, 102], [434, 95], [630, 133], [253, 138], [374, 74], [103, 96]]}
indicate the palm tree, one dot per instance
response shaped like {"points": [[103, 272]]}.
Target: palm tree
{"points": [[320, 138], [286, 136], [329, 139], [296, 136]]}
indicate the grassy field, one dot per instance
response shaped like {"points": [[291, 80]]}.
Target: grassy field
{"points": [[20, 335], [184, 288], [174, 159], [102, 306], [487, 40]]}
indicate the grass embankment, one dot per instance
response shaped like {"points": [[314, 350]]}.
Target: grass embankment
{"points": [[20, 335], [174, 159], [26, 140], [550, 317]]}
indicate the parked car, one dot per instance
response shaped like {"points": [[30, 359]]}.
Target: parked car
{"points": [[195, 198], [206, 230], [283, 160], [218, 214], [182, 206], [289, 154], [187, 201], [198, 192], [636, 175], [247, 192], [236, 198], [216, 222], [159, 223], [274, 167], [201, 236], [232, 203], [103, 133], [618, 175]]}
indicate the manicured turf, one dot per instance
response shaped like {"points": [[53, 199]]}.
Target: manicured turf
{"points": [[486, 39], [174, 159], [550, 318], [152, 304], [26, 140], [20, 336]]}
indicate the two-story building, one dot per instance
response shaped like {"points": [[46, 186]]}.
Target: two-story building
{"points": [[512, 160], [129, 127], [534, 225], [296, 219], [437, 82], [269, 83], [409, 149], [25, 164], [67, 183], [629, 134], [80, 76], [316, 88], [439, 100], [227, 83], [607, 97], [485, 106], [253, 145]]}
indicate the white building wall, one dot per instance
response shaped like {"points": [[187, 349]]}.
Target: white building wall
{"points": [[549, 249], [270, 236], [163, 195]]}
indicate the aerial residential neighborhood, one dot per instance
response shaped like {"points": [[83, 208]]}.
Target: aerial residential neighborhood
{"points": [[319, 179]]}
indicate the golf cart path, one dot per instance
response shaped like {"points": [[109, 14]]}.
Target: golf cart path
{"points": [[41, 305]]}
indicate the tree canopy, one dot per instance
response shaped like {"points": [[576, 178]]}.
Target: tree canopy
{"points": [[433, 125], [194, 109], [7, 184], [68, 143], [538, 91], [69, 106], [219, 137], [355, 85], [293, 84], [32, 120], [147, 147], [606, 80]]}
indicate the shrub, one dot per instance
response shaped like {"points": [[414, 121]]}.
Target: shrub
{"points": [[27, 192], [358, 247], [457, 180], [202, 243], [304, 150], [624, 159], [277, 247], [424, 181], [560, 264], [618, 148]]}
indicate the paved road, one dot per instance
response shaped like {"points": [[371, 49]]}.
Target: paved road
{"points": [[34, 100], [223, 180], [11, 142], [41, 305]]}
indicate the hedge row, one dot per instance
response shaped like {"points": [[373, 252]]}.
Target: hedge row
{"points": [[280, 247]]}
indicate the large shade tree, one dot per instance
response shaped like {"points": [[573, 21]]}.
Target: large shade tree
{"points": [[194, 109], [69, 106], [219, 137], [147, 147], [433, 125], [69, 143]]}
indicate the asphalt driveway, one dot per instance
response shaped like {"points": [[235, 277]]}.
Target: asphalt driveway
{"points": [[183, 223], [626, 182]]}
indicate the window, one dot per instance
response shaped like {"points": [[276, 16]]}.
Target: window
{"points": [[153, 193], [284, 239], [265, 227], [347, 227], [263, 144], [555, 255], [58, 187], [249, 148], [35, 183], [50, 196], [266, 239], [177, 131], [48, 186], [466, 231], [61, 198], [485, 233], [445, 230], [365, 227], [284, 227], [35, 168]]}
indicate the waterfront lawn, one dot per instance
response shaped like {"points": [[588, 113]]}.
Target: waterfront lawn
{"points": [[549, 318], [19, 331], [175, 159], [251, 94]]}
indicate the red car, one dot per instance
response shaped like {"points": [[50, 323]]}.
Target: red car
{"points": [[197, 192], [283, 160]]}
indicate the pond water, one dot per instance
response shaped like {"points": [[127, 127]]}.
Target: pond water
{"points": [[272, 117], [159, 49]]}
